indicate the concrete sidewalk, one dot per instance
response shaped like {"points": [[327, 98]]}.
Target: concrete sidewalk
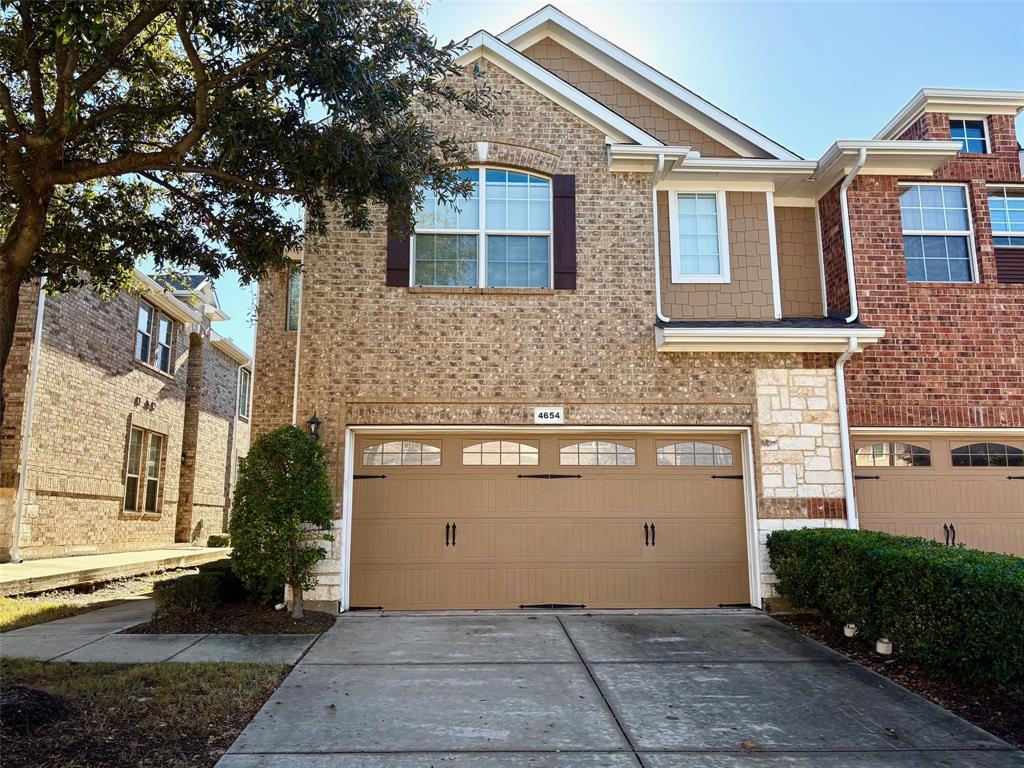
{"points": [[94, 636], [57, 572]]}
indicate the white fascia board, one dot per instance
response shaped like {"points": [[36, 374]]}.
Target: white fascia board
{"points": [[574, 100], [885, 158], [763, 339], [165, 300], [626, 67], [953, 101], [229, 348]]}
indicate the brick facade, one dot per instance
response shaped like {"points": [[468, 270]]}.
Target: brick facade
{"points": [[953, 355], [90, 392]]}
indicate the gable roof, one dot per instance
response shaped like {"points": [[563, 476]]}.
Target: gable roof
{"points": [[702, 114], [958, 101], [484, 44]]}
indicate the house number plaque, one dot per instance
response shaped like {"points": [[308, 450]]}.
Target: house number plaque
{"points": [[549, 414]]}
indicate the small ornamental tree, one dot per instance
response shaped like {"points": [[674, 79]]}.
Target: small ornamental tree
{"points": [[282, 508]]}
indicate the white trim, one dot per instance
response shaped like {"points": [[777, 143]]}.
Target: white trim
{"points": [[678, 276], [483, 44], [746, 443], [671, 184], [821, 261], [642, 77], [775, 339], [959, 101], [238, 391], [773, 255]]}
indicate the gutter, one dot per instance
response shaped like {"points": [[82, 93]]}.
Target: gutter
{"points": [[852, 521], [844, 208], [26, 435]]}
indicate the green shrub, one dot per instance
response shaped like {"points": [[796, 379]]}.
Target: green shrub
{"points": [[218, 540], [191, 595], [282, 510], [959, 612]]}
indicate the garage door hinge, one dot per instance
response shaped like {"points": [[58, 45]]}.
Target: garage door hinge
{"points": [[867, 477], [554, 606], [549, 477], [1015, 477], [727, 477], [368, 477]]}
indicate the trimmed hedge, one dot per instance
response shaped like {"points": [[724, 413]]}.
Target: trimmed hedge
{"points": [[959, 612]]}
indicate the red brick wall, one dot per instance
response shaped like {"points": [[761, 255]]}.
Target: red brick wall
{"points": [[953, 354]]}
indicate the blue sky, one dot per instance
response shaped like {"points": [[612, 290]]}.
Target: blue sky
{"points": [[803, 73]]}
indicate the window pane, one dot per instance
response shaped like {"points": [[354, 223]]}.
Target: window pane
{"points": [[446, 260], [156, 443], [517, 261], [695, 454], [945, 259], [500, 453], [1006, 209], [131, 493], [460, 213], [698, 245], [152, 487], [142, 346], [135, 452], [971, 133], [294, 298], [517, 202], [145, 318]]}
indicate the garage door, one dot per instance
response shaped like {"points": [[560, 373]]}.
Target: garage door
{"points": [[502, 521], [968, 489]]}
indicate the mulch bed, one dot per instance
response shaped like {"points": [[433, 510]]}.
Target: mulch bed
{"points": [[998, 709], [245, 618]]}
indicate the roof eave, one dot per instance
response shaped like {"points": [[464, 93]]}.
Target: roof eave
{"points": [[764, 339], [953, 101]]}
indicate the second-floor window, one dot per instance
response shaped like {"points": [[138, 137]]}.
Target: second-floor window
{"points": [[156, 351], [1006, 206], [499, 237], [937, 238], [294, 300], [699, 238], [971, 134], [244, 388]]}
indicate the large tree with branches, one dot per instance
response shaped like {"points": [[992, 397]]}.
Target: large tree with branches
{"points": [[180, 130]]}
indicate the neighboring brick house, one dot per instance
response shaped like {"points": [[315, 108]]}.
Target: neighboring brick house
{"points": [[138, 415], [609, 374]]}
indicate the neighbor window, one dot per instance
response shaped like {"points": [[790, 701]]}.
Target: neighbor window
{"points": [[971, 134], [1006, 206], [987, 455], [694, 454], [142, 471], [499, 452], [597, 453], [150, 323], [937, 237], [699, 239], [401, 453], [893, 455], [498, 237], [244, 388], [294, 300]]}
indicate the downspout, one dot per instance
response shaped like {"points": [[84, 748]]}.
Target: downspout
{"points": [[298, 340], [844, 435], [659, 174], [844, 208], [26, 436]]}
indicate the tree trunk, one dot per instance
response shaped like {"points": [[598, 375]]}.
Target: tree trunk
{"points": [[16, 253], [297, 602]]}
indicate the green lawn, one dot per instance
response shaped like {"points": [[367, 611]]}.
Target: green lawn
{"points": [[128, 716]]}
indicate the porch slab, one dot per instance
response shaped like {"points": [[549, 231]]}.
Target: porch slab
{"points": [[447, 639], [57, 572], [434, 708]]}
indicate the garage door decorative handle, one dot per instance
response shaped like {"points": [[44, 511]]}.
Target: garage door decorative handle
{"points": [[548, 477], [447, 530], [647, 541], [653, 533]]}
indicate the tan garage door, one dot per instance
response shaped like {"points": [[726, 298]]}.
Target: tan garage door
{"points": [[968, 488], [502, 521]]}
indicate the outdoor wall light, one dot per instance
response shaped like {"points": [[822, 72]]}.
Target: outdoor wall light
{"points": [[314, 426]]}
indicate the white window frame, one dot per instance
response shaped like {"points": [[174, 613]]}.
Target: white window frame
{"points": [[148, 333], [296, 270], [969, 234], [481, 233], [139, 472], [984, 130], [157, 500], [160, 316], [678, 276], [244, 373]]}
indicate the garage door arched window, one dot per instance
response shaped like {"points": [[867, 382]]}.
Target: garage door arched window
{"points": [[893, 455], [987, 455], [597, 453], [505, 453], [401, 453], [694, 454]]}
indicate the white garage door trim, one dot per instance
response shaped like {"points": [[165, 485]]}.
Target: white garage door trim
{"points": [[749, 492]]}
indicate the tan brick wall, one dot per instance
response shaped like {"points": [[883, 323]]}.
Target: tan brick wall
{"points": [[90, 390], [799, 272], [748, 294], [371, 354], [622, 99]]}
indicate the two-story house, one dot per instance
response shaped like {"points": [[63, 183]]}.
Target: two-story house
{"points": [[125, 419], [605, 377]]}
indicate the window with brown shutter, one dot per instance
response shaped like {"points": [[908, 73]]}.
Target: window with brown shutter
{"points": [[398, 257], [564, 231]]}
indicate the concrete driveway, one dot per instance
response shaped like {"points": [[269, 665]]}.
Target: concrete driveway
{"points": [[683, 689]]}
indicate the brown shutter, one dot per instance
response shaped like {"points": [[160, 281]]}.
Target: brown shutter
{"points": [[398, 258], [564, 231]]}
